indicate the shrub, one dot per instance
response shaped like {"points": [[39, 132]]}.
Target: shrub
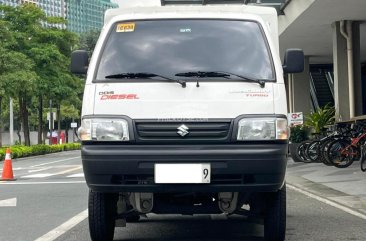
{"points": [[19, 151], [298, 134]]}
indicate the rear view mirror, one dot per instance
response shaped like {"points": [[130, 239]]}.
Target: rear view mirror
{"points": [[79, 62], [294, 61]]}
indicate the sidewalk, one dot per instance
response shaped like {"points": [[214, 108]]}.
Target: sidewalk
{"points": [[344, 186]]}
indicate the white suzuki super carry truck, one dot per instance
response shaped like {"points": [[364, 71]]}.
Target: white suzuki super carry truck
{"points": [[184, 112]]}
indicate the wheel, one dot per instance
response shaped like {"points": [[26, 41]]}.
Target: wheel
{"points": [[301, 151], [363, 158], [102, 215], [324, 150], [312, 151], [275, 219], [293, 152], [341, 153]]}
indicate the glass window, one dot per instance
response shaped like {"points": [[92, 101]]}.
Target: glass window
{"points": [[168, 47]]}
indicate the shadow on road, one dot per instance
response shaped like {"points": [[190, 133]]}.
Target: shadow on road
{"points": [[181, 228]]}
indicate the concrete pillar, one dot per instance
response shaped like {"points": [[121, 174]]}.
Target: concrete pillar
{"points": [[357, 68], [300, 90], [341, 95]]}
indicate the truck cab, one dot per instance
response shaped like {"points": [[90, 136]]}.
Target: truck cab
{"points": [[184, 112]]}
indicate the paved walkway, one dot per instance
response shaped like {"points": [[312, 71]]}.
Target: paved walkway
{"points": [[344, 186]]}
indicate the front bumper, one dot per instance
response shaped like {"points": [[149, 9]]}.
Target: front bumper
{"points": [[234, 167]]}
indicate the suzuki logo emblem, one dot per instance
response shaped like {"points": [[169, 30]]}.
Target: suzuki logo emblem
{"points": [[183, 130]]}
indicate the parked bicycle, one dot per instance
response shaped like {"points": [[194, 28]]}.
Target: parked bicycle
{"points": [[338, 145]]}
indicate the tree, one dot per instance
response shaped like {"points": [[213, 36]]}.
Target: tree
{"points": [[23, 22], [18, 79], [45, 51], [5, 40], [16, 75]]}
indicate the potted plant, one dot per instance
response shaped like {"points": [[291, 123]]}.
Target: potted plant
{"points": [[320, 118]]}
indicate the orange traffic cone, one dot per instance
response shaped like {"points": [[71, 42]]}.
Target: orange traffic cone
{"points": [[7, 168]]}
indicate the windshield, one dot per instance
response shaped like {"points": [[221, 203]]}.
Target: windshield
{"points": [[168, 47]]}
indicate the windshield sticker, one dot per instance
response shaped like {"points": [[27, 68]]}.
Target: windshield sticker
{"points": [[125, 27]]}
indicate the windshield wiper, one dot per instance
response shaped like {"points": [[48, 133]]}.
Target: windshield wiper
{"points": [[203, 74], [144, 75], [216, 74]]}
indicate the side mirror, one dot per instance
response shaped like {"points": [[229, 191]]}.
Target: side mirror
{"points": [[79, 62], [294, 61]]}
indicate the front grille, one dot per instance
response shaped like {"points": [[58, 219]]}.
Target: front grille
{"points": [[183, 131]]}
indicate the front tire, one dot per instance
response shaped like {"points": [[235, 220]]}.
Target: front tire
{"points": [[102, 215], [275, 219]]}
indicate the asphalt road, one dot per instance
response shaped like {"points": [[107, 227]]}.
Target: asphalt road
{"points": [[51, 199], [46, 195]]}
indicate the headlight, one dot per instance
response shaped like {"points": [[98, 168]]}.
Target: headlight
{"points": [[262, 129], [100, 129]]}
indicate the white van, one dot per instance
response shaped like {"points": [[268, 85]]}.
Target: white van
{"points": [[184, 112]]}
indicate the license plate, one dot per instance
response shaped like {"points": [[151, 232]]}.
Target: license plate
{"points": [[183, 173]]}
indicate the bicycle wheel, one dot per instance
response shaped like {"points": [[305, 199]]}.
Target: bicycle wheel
{"points": [[363, 158], [301, 151], [341, 153], [312, 151], [323, 152]]}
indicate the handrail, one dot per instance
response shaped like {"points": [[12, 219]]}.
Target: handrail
{"points": [[330, 81], [313, 93], [282, 9]]}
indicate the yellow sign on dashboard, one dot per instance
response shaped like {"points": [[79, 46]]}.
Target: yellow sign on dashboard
{"points": [[125, 27]]}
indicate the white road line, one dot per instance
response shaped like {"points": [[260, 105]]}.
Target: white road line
{"points": [[12, 202], [39, 175], [69, 170], [42, 175], [39, 170], [14, 169], [68, 159], [63, 228], [38, 183], [327, 201], [77, 175]]}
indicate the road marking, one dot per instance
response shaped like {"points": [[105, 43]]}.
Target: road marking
{"points": [[77, 175], [14, 169], [37, 183], [69, 170], [12, 202], [39, 170], [39, 175], [68, 159], [42, 175], [327, 201], [63, 228]]}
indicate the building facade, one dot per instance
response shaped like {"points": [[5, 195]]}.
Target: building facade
{"points": [[52, 8], [81, 15], [14, 3], [86, 15]]}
